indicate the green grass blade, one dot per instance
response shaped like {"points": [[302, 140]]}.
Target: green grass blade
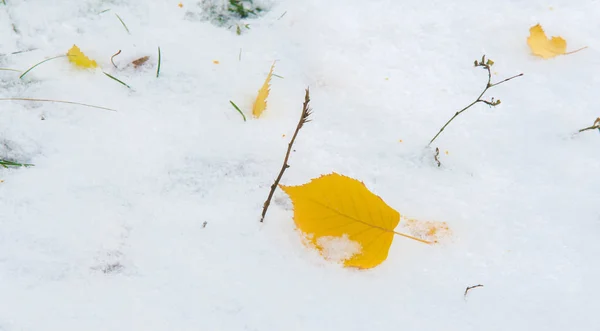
{"points": [[37, 64], [56, 101], [159, 59], [6, 164], [116, 79], [238, 109], [124, 25], [8, 69]]}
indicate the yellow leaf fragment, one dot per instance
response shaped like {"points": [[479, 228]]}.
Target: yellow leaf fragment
{"points": [[338, 210], [260, 104], [542, 46], [79, 59]]}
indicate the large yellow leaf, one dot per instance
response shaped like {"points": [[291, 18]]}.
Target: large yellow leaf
{"points": [[542, 46], [260, 104], [79, 59], [335, 206]]}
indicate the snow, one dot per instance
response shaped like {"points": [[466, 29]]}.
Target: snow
{"points": [[338, 249], [106, 231]]}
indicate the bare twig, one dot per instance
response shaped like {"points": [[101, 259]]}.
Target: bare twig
{"points": [[595, 126], [436, 157], [470, 288], [112, 57], [487, 66], [306, 111]]}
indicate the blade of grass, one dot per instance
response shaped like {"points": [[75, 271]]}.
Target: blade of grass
{"points": [[37, 64], [56, 101], [112, 57], [8, 69], [159, 59], [124, 25], [238, 109], [104, 11], [116, 79], [6, 164]]}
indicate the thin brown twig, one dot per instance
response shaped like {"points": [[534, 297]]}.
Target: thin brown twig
{"points": [[506, 80], [470, 288], [436, 156], [487, 66], [593, 127], [112, 57], [306, 112]]}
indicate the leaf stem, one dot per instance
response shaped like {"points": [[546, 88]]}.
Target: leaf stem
{"points": [[413, 238], [575, 51], [306, 112]]}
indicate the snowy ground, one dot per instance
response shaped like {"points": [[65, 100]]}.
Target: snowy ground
{"points": [[106, 231]]}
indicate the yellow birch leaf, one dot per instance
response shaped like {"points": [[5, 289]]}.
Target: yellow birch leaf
{"points": [[542, 46], [79, 59], [260, 104], [336, 206]]}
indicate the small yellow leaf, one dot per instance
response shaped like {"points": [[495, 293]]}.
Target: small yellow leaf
{"points": [[542, 46], [79, 59], [216, 62], [260, 104], [334, 208]]}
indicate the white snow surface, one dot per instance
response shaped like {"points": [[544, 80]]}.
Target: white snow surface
{"points": [[106, 231]]}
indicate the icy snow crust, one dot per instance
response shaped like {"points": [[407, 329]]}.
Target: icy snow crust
{"points": [[106, 231]]}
